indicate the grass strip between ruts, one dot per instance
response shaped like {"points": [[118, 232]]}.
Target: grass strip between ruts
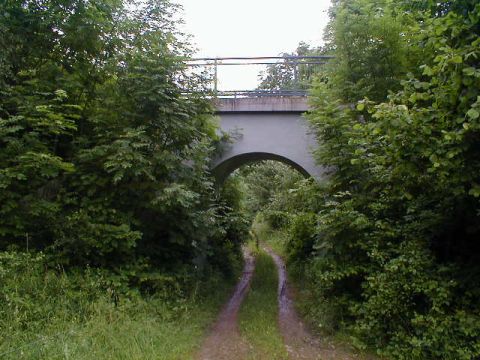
{"points": [[258, 318]]}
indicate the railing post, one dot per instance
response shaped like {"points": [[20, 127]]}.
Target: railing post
{"points": [[291, 84], [215, 84], [295, 73]]}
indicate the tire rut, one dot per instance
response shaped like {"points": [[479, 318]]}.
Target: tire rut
{"points": [[224, 340], [299, 342]]}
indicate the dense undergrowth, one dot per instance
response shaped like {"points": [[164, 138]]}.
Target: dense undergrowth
{"points": [[47, 314], [393, 247], [104, 160], [108, 213], [388, 244], [109, 217]]}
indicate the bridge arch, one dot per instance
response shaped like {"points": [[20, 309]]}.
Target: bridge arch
{"points": [[225, 168], [266, 128]]}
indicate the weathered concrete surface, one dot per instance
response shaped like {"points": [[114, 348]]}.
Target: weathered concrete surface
{"points": [[269, 128], [263, 104]]}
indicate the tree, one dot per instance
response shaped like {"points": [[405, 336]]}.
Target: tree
{"points": [[104, 161], [394, 250], [292, 73]]}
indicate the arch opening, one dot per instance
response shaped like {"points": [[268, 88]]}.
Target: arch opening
{"points": [[222, 170]]}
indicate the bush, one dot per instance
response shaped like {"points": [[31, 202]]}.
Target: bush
{"points": [[276, 219], [302, 235]]}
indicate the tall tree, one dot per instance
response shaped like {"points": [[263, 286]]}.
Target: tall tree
{"points": [[103, 159], [395, 250], [293, 73]]}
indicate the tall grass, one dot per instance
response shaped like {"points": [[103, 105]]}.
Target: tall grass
{"points": [[47, 314], [276, 239]]}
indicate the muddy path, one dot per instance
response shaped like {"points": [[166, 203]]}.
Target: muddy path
{"points": [[300, 343], [224, 341]]}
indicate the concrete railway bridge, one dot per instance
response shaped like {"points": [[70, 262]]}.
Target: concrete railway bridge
{"points": [[266, 123], [266, 128]]}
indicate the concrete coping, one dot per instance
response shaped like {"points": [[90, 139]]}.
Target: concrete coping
{"points": [[297, 104]]}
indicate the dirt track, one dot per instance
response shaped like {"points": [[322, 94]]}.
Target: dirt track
{"points": [[224, 341], [300, 343]]}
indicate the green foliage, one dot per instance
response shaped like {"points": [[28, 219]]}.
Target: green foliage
{"points": [[104, 161], [418, 307], [275, 218], [275, 239], [292, 74], [47, 313], [370, 52], [109, 219], [301, 237], [391, 247], [265, 187]]}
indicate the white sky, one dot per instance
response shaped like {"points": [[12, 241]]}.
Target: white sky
{"points": [[251, 28]]}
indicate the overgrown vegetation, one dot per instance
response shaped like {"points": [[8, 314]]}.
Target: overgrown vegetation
{"points": [[110, 219], [104, 161], [79, 314], [294, 74], [104, 168], [390, 244], [275, 238], [263, 190]]}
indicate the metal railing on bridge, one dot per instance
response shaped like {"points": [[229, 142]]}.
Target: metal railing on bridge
{"points": [[234, 77]]}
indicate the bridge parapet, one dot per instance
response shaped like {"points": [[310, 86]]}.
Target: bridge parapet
{"points": [[277, 104]]}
